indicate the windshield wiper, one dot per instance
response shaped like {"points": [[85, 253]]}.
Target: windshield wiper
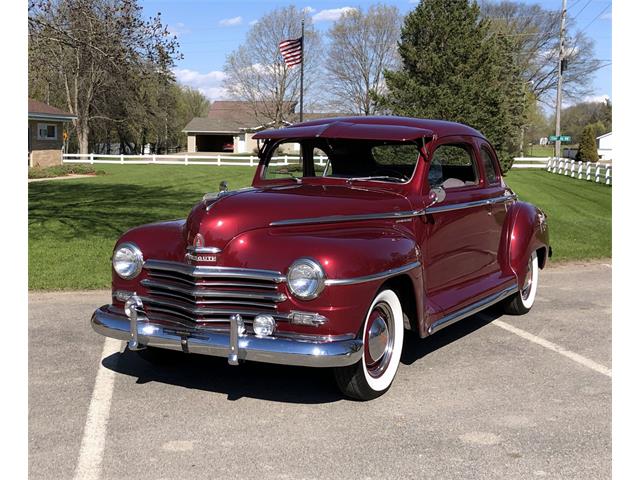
{"points": [[376, 177]]}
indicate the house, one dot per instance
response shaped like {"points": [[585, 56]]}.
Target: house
{"points": [[605, 146], [229, 126], [47, 125]]}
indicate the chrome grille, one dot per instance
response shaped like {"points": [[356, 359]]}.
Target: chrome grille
{"points": [[209, 294]]}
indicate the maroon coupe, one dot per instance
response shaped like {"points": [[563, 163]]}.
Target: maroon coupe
{"points": [[378, 225]]}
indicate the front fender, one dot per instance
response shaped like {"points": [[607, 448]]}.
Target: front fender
{"points": [[525, 231], [343, 252]]}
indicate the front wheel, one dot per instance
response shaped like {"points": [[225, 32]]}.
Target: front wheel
{"points": [[382, 336], [522, 301]]}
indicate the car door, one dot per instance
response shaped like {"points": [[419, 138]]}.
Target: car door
{"points": [[461, 241]]}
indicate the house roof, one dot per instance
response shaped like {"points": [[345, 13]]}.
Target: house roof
{"points": [[605, 135], [232, 116], [378, 128], [41, 110]]}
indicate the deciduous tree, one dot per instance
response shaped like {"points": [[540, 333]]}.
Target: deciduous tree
{"points": [[256, 72], [86, 47], [362, 45]]}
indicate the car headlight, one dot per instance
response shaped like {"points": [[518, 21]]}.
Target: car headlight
{"points": [[127, 260], [305, 279]]}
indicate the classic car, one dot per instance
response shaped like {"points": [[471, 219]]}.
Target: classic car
{"points": [[379, 225]]}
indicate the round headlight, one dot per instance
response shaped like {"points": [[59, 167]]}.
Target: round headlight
{"points": [[263, 325], [127, 260], [305, 278]]}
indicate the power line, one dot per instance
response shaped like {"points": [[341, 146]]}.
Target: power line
{"points": [[596, 17], [582, 9]]}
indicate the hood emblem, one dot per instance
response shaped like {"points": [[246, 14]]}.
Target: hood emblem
{"points": [[197, 252]]}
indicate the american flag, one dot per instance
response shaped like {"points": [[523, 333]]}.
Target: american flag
{"points": [[291, 50]]}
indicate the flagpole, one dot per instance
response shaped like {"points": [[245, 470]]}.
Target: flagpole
{"points": [[302, 72]]}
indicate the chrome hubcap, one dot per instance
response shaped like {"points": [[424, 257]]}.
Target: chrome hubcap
{"points": [[379, 340]]}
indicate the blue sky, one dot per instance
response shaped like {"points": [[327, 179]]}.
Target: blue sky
{"points": [[208, 30]]}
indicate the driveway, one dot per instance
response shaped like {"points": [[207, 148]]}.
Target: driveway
{"points": [[490, 397]]}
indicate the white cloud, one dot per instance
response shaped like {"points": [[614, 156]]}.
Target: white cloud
{"points": [[253, 22], [309, 9], [178, 29], [414, 1], [597, 98], [209, 84], [331, 14], [230, 22]]}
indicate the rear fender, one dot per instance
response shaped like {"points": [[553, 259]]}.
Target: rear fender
{"points": [[525, 231]]}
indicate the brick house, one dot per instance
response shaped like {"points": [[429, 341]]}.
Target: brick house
{"points": [[46, 127], [229, 126]]}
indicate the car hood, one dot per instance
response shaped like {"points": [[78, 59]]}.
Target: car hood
{"points": [[239, 211]]}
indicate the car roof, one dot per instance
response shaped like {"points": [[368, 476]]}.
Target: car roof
{"points": [[370, 127]]}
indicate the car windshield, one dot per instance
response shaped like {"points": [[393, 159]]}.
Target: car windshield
{"points": [[352, 160]]}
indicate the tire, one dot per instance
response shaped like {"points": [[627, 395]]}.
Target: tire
{"points": [[383, 337], [521, 302]]}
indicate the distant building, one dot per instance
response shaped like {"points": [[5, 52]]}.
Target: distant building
{"points": [[605, 146], [230, 125], [46, 127]]}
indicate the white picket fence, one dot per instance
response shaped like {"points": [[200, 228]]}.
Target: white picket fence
{"points": [[530, 162], [596, 172], [182, 159]]}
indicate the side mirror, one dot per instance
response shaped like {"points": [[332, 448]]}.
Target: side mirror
{"points": [[224, 187], [436, 195]]}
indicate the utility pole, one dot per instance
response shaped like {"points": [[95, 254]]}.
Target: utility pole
{"points": [[302, 74], [561, 65]]}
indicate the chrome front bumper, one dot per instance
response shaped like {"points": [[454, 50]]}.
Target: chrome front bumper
{"points": [[140, 332]]}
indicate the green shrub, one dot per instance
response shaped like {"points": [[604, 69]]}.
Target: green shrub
{"points": [[64, 170], [587, 150]]}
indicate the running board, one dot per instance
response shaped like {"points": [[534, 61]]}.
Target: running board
{"points": [[472, 309]]}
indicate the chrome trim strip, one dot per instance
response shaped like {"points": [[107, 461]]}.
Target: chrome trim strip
{"points": [[391, 215], [476, 203], [286, 351], [214, 271], [472, 309], [206, 292], [372, 277]]}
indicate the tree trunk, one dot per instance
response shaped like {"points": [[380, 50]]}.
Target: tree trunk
{"points": [[82, 128]]}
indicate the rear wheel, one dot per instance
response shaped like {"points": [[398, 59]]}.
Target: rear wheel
{"points": [[522, 301], [382, 336]]}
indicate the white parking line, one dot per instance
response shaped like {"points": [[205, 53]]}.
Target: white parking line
{"points": [[556, 348], [95, 428]]}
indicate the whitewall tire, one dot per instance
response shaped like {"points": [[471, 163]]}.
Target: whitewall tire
{"points": [[522, 301], [383, 337]]}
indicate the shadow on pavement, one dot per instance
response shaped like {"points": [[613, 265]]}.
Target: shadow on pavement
{"points": [[415, 348], [280, 383]]}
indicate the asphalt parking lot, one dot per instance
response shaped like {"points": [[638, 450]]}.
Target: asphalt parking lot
{"points": [[491, 397]]}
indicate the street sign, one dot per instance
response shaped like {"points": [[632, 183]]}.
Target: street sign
{"points": [[562, 138]]}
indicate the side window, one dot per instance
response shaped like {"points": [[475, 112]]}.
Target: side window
{"points": [[285, 162], [489, 166], [452, 166]]}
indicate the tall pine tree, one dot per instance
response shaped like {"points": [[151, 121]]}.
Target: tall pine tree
{"points": [[454, 68]]}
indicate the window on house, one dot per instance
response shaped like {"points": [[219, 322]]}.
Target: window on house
{"points": [[47, 131]]}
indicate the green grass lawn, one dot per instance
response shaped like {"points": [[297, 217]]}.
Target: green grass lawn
{"points": [[579, 212], [73, 224]]}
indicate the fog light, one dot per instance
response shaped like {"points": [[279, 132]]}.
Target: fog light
{"points": [[264, 325]]}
